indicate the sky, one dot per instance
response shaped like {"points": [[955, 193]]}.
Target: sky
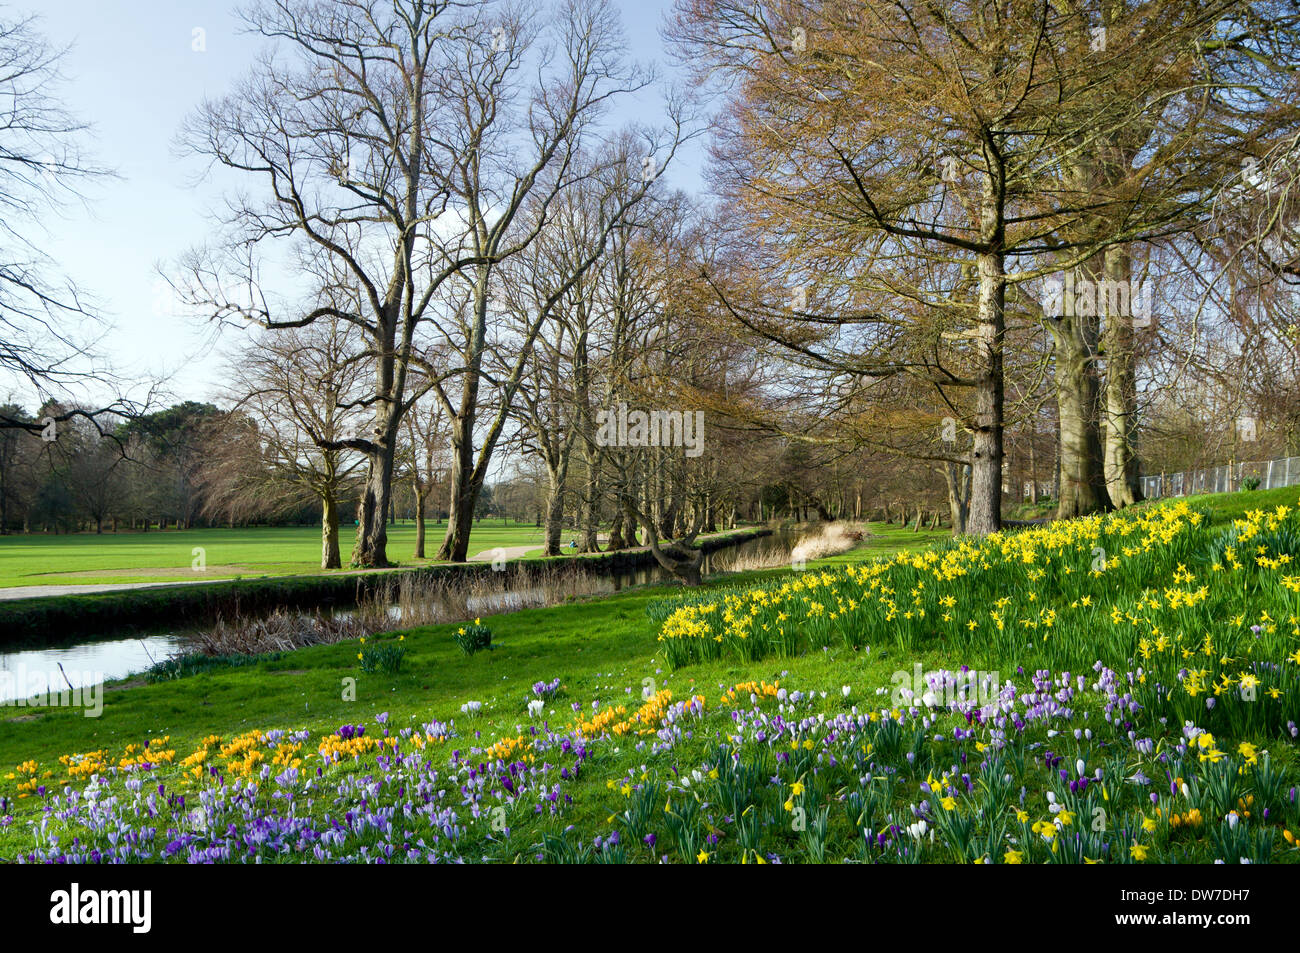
{"points": [[134, 70]]}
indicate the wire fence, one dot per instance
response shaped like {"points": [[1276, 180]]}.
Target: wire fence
{"points": [[1272, 474]]}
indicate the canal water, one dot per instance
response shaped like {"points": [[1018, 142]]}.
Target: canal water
{"points": [[48, 671]]}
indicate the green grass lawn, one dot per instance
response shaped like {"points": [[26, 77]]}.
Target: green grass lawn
{"points": [[582, 638], [84, 559], [87, 559], [888, 538], [1095, 765], [584, 643], [1226, 507]]}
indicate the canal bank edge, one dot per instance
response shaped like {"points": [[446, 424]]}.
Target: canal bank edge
{"points": [[52, 620]]}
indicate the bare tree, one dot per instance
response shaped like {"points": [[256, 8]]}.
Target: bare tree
{"points": [[555, 390], [400, 149], [588, 72], [424, 455], [48, 329], [294, 397]]}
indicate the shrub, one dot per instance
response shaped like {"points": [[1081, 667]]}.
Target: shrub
{"points": [[385, 658], [473, 637]]}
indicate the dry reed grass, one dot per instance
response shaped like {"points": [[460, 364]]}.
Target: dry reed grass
{"points": [[402, 602], [829, 539]]}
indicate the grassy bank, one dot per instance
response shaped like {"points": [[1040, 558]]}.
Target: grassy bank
{"points": [[823, 715], [601, 649], [55, 619]]}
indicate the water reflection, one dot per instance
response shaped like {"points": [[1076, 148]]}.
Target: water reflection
{"points": [[36, 672]]}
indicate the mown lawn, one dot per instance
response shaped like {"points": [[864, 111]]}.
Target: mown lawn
{"points": [[436, 678], [85, 559], [1109, 722]]}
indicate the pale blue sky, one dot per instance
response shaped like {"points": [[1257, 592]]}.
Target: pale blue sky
{"points": [[134, 74]]}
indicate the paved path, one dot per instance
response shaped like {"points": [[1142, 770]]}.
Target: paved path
{"points": [[503, 552], [28, 592]]}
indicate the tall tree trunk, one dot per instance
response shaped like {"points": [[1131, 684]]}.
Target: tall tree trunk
{"points": [[652, 499], [589, 514], [590, 517], [957, 476], [1033, 470], [465, 482], [1119, 420], [420, 498], [329, 533], [469, 469], [1082, 479], [668, 519], [370, 551], [371, 548], [986, 452], [554, 512], [617, 540], [464, 494]]}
